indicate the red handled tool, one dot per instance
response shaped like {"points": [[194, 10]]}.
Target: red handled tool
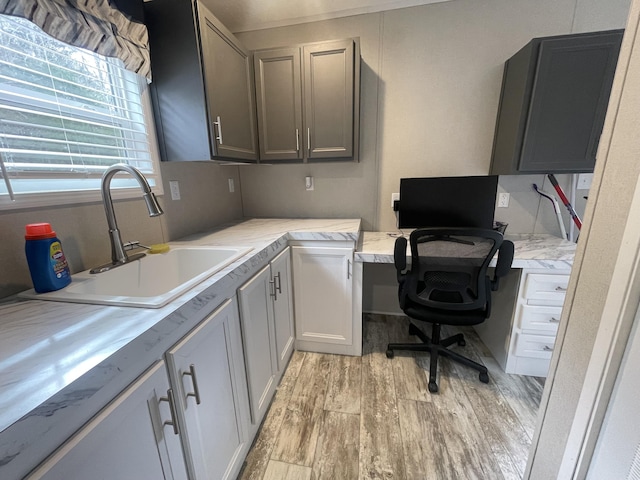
{"points": [[565, 200]]}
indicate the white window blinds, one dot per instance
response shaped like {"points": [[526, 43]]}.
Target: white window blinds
{"points": [[66, 114]]}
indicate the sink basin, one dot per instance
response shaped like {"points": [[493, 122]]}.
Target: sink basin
{"points": [[151, 282]]}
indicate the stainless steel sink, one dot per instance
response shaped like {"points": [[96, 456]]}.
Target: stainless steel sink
{"points": [[151, 282]]}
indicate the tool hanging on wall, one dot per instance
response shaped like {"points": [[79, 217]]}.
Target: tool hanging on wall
{"points": [[556, 209], [565, 200]]}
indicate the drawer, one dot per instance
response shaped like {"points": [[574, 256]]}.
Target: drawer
{"points": [[540, 319], [534, 346], [545, 289]]}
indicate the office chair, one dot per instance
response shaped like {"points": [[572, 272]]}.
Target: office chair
{"points": [[448, 284]]}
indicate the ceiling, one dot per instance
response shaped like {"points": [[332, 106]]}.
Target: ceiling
{"points": [[245, 15]]}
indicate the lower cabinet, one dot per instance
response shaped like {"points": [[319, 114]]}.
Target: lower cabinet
{"points": [[521, 334], [323, 282], [266, 317], [207, 369], [131, 438]]}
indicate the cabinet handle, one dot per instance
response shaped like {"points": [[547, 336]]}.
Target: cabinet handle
{"points": [[194, 381], [272, 288], [297, 140], [172, 411], [218, 122], [279, 287], [554, 320], [348, 268], [560, 289], [547, 348], [308, 141]]}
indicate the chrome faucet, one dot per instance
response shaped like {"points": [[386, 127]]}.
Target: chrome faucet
{"points": [[118, 254]]}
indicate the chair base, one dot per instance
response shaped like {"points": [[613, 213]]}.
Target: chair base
{"points": [[437, 347]]}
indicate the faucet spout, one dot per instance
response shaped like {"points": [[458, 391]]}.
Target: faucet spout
{"points": [[118, 253]]}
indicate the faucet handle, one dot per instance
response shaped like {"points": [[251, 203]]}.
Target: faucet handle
{"points": [[131, 245]]}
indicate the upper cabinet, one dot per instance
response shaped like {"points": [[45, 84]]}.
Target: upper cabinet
{"points": [[202, 86], [308, 101], [554, 99]]}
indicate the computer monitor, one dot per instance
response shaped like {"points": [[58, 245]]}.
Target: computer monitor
{"points": [[447, 202]]}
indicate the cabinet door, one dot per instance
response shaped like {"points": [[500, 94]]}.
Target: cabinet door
{"points": [[256, 313], [207, 371], [568, 103], [283, 307], [229, 90], [126, 440], [323, 294], [279, 103], [329, 99]]}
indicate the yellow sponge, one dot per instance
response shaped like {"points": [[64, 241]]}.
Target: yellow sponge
{"points": [[159, 248]]}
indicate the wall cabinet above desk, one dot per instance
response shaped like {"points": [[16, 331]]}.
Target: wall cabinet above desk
{"points": [[203, 95], [553, 103], [308, 101]]}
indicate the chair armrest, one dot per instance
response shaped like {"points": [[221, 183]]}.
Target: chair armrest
{"points": [[503, 265], [400, 255]]}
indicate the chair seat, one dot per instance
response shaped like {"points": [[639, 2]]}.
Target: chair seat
{"points": [[449, 317]]}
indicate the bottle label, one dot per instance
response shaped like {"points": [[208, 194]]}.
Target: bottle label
{"points": [[58, 261]]}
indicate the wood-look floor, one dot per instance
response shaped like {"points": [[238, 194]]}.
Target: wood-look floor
{"points": [[370, 417]]}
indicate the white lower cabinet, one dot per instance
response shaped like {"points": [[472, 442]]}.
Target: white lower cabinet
{"points": [[130, 438], [207, 369], [323, 299], [267, 331]]}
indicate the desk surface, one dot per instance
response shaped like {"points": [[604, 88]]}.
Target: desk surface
{"points": [[531, 250]]}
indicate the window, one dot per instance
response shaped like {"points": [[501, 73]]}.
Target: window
{"points": [[66, 114]]}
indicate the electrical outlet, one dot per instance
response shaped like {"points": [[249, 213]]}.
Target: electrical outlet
{"points": [[232, 187], [174, 186], [394, 198], [503, 200], [308, 183]]}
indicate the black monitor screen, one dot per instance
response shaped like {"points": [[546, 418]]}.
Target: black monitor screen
{"points": [[447, 202]]}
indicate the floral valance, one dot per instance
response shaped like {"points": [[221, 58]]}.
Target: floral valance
{"points": [[96, 25]]}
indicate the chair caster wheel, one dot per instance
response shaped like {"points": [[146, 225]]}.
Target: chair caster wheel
{"points": [[461, 343], [484, 377], [433, 387], [389, 353]]}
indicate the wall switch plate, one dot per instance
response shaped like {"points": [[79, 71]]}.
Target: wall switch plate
{"points": [[503, 200], [174, 186], [584, 181], [232, 187], [308, 183], [394, 198]]}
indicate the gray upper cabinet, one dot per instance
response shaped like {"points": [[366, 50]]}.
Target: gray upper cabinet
{"points": [[308, 101], [204, 102], [554, 99]]}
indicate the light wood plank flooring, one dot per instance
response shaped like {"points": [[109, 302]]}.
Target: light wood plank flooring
{"points": [[349, 418]]}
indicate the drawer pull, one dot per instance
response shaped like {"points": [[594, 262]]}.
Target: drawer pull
{"points": [[560, 289], [194, 381], [547, 348], [554, 320]]}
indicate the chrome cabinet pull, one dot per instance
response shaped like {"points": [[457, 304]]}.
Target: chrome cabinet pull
{"points": [[194, 382], [272, 289], [279, 287], [297, 140], [554, 320], [172, 410], [547, 348], [348, 268], [560, 289], [308, 141], [218, 122]]}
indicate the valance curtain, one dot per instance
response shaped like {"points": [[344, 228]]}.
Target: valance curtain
{"points": [[96, 25]]}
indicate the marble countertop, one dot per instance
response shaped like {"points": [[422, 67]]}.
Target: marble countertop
{"points": [[531, 250], [64, 361]]}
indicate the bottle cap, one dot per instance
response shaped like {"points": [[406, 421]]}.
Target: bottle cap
{"points": [[39, 231]]}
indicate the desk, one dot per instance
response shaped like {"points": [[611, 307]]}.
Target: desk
{"points": [[520, 332]]}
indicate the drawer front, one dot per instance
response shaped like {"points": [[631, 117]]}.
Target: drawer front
{"points": [[534, 346], [545, 289], [539, 319]]}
